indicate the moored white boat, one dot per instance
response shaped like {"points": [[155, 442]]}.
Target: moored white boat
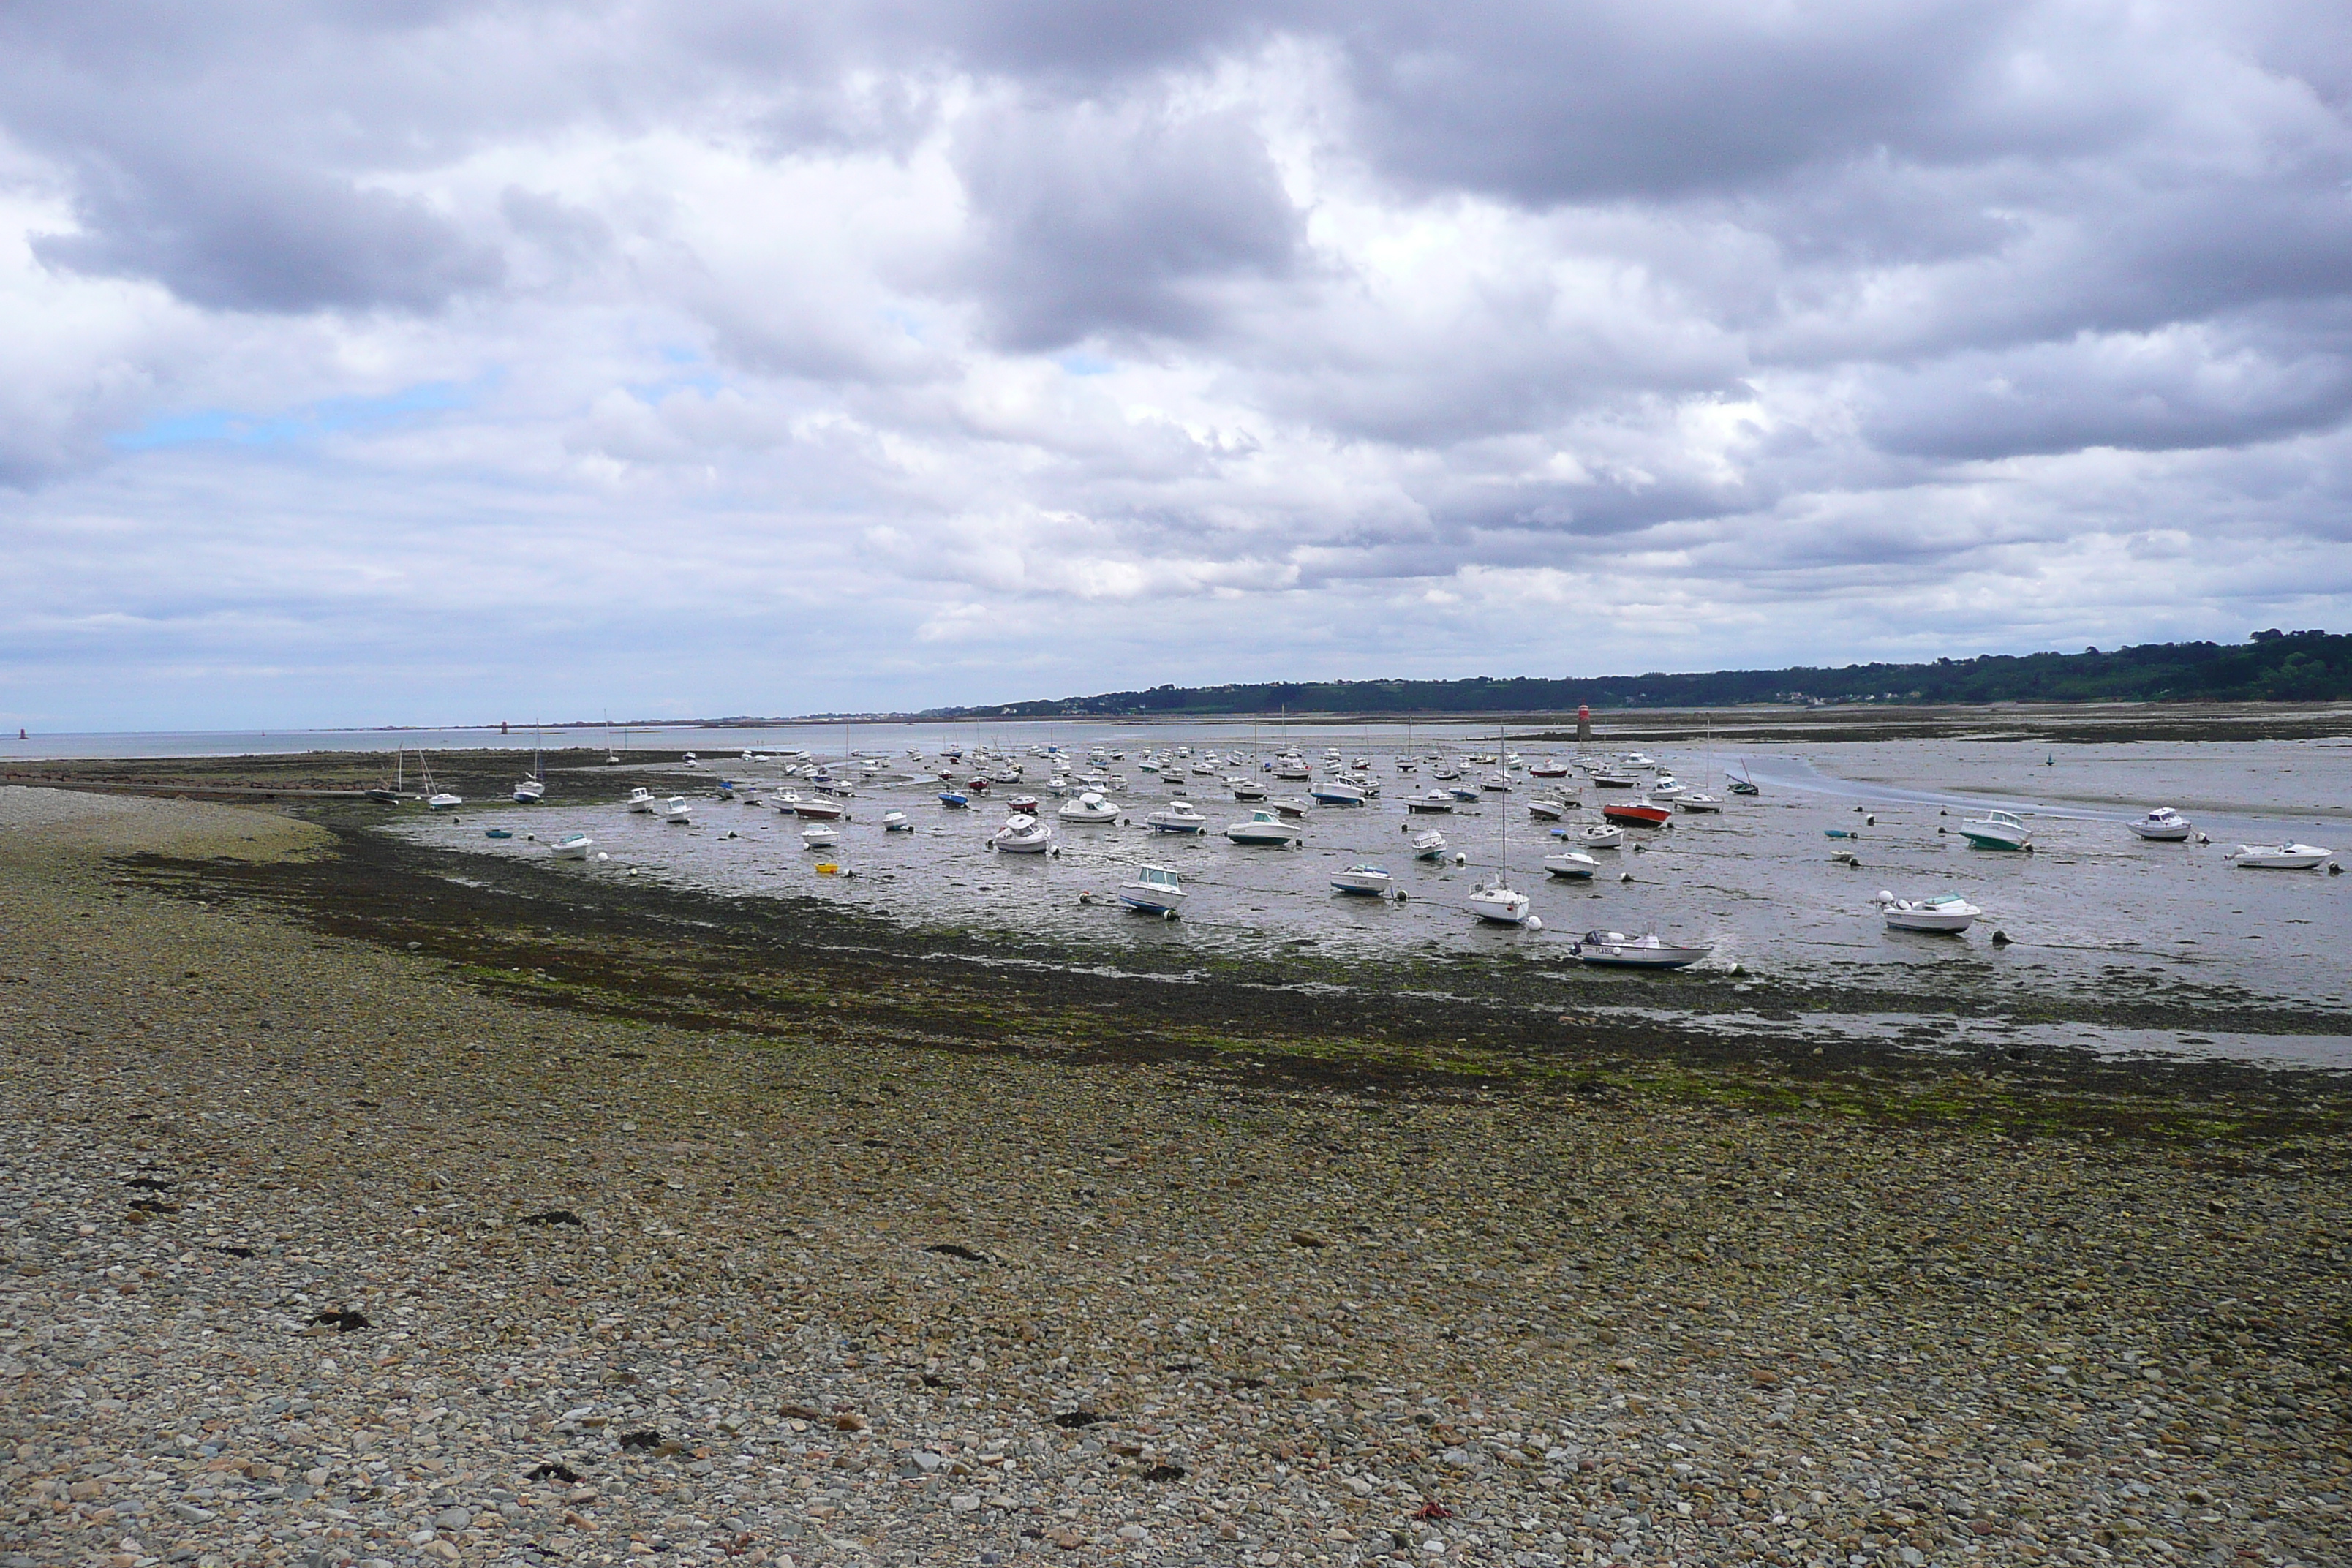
{"points": [[1247, 789], [2163, 824], [1429, 845], [1997, 830], [572, 846], [529, 792], [1437, 802], [896, 822], [1549, 810], [676, 811], [1607, 779], [443, 801], [809, 810], [1497, 903], [2279, 856], [1647, 951], [1088, 806], [1696, 803], [1571, 863], [1947, 912], [1177, 816], [1592, 836], [1336, 792], [1267, 828], [642, 799], [819, 836], [1366, 879], [1288, 805], [1156, 890], [1668, 786], [1022, 834]]}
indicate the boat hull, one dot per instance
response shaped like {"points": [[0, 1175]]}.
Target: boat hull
{"points": [[1995, 839], [1642, 958], [1615, 949], [1502, 909], [2283, 857], [1637, 814]]}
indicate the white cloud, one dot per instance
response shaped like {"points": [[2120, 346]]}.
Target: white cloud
{"points": [[380, 366]]}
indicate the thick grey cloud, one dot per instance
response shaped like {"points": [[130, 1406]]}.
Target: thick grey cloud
{"points": [[1559, 328], [268, 237], [1119, 220]]}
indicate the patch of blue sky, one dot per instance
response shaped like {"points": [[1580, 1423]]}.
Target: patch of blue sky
{"points": [[328, 417], [1085, 364]]}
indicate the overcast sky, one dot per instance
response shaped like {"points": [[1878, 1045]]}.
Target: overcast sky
{"points": [[416, 361]]}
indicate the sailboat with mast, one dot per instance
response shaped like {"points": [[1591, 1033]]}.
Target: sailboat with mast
{"points": [[384, 795], [531, 789], [437, 799], [1495, 901]]}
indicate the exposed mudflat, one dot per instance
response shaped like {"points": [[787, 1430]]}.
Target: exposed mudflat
{"points": [[360, 1206]]}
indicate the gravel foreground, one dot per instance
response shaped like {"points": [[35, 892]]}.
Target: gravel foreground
{"points": [[314, 1255]]}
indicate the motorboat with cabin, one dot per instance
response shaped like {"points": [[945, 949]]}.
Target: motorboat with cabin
{"points": [[1177, 816], [1267, 828], [1338, 791], [1364, 880], [1641, 812], [1946, 914], [1574, 864], [676, 812], [2163, 824], [1022, 834], [571, 847], [1156, 890], [1997, 830], [1436, 801], [1592, 836], [1429, 845], [642, 799], [1088, 806]]}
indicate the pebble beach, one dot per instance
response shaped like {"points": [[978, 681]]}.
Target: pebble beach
{"points": [[320, 1249]]}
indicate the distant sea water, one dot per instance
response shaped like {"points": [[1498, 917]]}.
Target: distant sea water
{"points": [[893, 738]]}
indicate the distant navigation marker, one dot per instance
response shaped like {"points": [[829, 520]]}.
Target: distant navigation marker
{"points": [[1583, 724]]}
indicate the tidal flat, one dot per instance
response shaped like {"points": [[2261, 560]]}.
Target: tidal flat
{"points": [[368, 1202]]}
